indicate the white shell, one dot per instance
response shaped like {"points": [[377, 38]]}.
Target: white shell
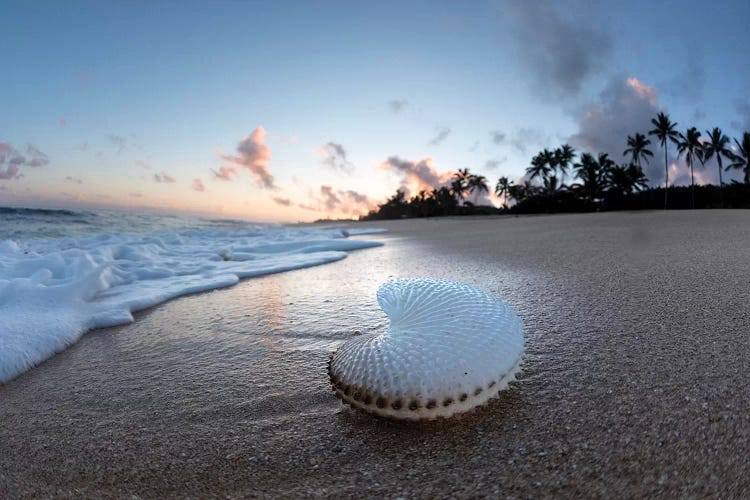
{"points": [[449, 347]]}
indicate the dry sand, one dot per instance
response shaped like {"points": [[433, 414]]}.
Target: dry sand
{"points": [[637, 380]]}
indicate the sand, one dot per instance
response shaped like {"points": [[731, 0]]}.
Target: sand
{"points": [[635, 382]]}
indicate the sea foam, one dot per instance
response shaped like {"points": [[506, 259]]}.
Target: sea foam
{"points": [[53, 291]]}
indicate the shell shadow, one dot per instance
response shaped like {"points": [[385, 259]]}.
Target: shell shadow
{"points": [[460, 434]]}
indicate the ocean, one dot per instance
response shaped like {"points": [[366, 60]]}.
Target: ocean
{"points": [[64, 272]]}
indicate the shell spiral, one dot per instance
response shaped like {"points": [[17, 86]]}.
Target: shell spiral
{"points": [[449, 347]]}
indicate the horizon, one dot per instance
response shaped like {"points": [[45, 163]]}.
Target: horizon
{"points": [[298, 112]]}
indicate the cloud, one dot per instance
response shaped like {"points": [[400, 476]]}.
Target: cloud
{"points": [[416, 175], [527, 137], [442, 134], [557, 44], [9, 172], [626, 106], [225, 173], [330, 200], [335, 156], [305, 206], [198, 185], [11, 160], [62, 122], [164, 178], [37, 158], [74, 180], [474, 147], [497, 137], [135, 195], [282, 201], [254, 155], [398, 105], [493, 164], [344, 201], [83, 146], [119, 142]]}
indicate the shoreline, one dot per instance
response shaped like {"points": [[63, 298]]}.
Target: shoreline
{"points": [[636, 346]]}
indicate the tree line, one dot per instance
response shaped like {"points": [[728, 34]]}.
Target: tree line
{"points": [[596, 182]]}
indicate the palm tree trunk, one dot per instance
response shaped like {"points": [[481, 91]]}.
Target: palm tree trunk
{"points": [[666, 175], [721, 182], [692, 184]]}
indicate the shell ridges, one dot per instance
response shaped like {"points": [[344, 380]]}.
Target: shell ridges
{"points": [[448, 348]]}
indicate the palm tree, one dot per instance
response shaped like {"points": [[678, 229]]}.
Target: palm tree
{"points": [[665, 131], [717, 145], [618, 180], [691, 145], [549, 159], [625, 179], [551, 184], [605, 163], [637, 177], [638, 149], [741, 161], [501, 190], [591, 174], [477, 184], [563, 158], [460, 182], [538, 168]]}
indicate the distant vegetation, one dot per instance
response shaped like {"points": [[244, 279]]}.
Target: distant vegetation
{"points": [[595, 182]]}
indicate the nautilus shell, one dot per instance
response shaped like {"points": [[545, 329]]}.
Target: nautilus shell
{"points": [[449, 348]]}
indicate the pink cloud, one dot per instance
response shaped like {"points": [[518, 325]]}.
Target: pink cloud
{"points": [[225, 173], [11, 160], [342, 201], [9, 172], [645, 92], [417, 175], [198, 185], [282, 201], [63, 122], [254, 155]]}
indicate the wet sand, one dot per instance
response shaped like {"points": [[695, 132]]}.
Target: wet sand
{"points": [[636, 380]]}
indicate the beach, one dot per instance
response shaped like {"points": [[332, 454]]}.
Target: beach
{"points": [[634, 382]]}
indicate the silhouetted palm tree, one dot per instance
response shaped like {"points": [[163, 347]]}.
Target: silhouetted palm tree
{"points": [[638, 149], [551, 184], [665, 131], [717, 145], [618, 180], [501, 190], [624, 179], [637, 177], [538, 168], [477, 184], [741, 160], [691, 145], [591, 174], [460, 182], [563, 159]]}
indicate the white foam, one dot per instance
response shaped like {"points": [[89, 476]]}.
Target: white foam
{"points": [[53, 291]]}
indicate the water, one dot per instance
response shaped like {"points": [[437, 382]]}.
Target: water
{"points": [[65, 272], [28, 223]]}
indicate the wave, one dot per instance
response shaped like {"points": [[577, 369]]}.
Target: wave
{"points": [[53, 291], [43, 211]]}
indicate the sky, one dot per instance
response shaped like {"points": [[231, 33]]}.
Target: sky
{"points": [[297, 110]]}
